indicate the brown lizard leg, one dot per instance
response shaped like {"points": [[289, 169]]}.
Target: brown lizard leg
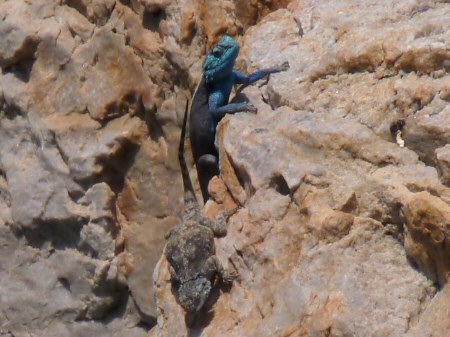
{"points": [[218, 225], [214, 266]]}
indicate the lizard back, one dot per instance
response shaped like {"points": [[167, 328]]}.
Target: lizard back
{"points": [[201, 125]]}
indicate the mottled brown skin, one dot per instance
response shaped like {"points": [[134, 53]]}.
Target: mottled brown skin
{"points": [[190, 247]]}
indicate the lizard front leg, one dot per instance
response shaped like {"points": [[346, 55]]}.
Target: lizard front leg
{"points": [[213, 266], [241, 78], [231, 108], [218, 225], [173, 276], [257, 75]]}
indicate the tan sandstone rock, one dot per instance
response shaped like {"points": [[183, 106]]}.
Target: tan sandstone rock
{"points": [[91, 96], [341, 232]]}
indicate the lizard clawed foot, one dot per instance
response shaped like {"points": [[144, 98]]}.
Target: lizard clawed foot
{"points": [[282, 67], [229, 276], [251, 108], [227, 214]]}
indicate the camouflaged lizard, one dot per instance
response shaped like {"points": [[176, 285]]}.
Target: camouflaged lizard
{"points": [[190, 246]]}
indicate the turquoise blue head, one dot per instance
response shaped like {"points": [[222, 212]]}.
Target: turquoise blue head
{"points": [[220, 60]]}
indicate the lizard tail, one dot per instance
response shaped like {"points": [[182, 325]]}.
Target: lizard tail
{"points": [[189, 196]]}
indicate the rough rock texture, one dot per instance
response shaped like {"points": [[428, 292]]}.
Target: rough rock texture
{"points": [[341, 232], [89, 182]]}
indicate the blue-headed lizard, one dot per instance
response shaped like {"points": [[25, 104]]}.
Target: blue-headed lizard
{"points": [[210, 104]]}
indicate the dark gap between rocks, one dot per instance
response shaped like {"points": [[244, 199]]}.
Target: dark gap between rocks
{"points": [[62, 233], [280, 185], [77, 5], [23, 62], [152, 19], [115, 167]]}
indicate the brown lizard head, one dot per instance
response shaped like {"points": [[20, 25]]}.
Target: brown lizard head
{"points": [[193, 294]]}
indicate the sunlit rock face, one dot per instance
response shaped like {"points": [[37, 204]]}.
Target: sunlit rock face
{"points": [[91, 94], [74, 101], [339, 232]]}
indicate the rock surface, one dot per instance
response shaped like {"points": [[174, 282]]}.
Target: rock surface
{"points": [[91, 94], [340, 232]]}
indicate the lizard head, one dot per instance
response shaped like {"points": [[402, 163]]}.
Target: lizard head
{"points": [[193, 294], [220, 60]]}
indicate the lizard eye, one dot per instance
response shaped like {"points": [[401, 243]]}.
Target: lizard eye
{"points": [[217, 51]]}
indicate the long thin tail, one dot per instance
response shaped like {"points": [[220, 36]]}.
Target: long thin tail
{"points": [[190, 201]]}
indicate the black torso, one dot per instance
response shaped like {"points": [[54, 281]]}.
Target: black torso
{"points": [[201, 125]]}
